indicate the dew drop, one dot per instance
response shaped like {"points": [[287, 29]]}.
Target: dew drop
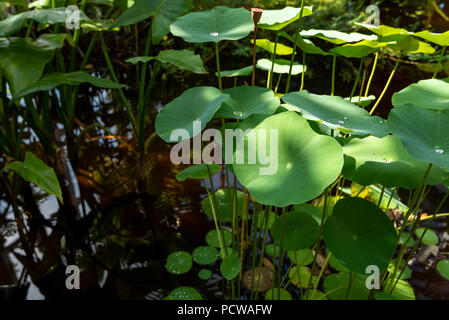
{"points": [[238, 113], [439, 151], [341, 122], [289, 165], [346, 118], [214, 34]]}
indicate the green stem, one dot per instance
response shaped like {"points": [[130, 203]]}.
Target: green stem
{"points": [[443, 50], [386, 86], [273, 57], [376, 57], [334, 63], [217, 58], [357, 79], [303, 71]]}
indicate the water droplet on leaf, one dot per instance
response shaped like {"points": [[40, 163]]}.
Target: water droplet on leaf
{"points": [[214, 34]]}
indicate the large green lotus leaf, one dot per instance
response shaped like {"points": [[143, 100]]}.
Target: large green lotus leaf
{"points": [[214, 25], [441, 39], [424, 133], [242, 72], [336, 286], [225, 200], [337, 37], [245, 101], [22, 61], [184, 293], [36, 171], [313, 211], [408, 44], [385, 31], [164, 12], [14, 23], [337, 113], [196, 104], [360, 234], [197, 171], [429, 94], [280, 66], [281, 49], [305, 45], [306, 162], [55, 79], [278, 19], [364, 101], [385, 161], [300, 230], [358, 50]]}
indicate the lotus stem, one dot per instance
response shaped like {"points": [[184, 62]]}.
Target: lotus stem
{"points": [[357, 79], [303, 71], [253, 79], [264, 242], [273, 57], [281, 251], [376, 57], [386, 86], [351, 281], [217, 59], [334, 63], [437, 69]]}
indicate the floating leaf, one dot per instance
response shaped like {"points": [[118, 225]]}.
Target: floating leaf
{"points": [[278, 294], [278, 19], [36, 171], [242, 72], [204, 274], [424, 133], [281, 49], [305, 45], [280, 66], [205, 255], [306, 162], [197, 171], [443, 268], [225, 199], [214, 25], [259, 279], [272, 250], [184, 293], [213, 240], [441, 39], [385, 161], [337, 37], [430, 237], [300, 230], [359, 234], [179, 262], [300, 276], [428, 94], [196, 104], [245, 101], [337, 113], [301, 257], [230, 266], [336, 286], [358, 50]]}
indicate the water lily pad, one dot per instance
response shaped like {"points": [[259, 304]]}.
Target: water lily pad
{"points": [[385, 161], [428, 94], [272, 250], [300, 230], [443, 268], [204, 274], [430, 237], [278, 294], [230, 266], [306, 162], [441, 39], [179, 262], [424, 133], [205, 255], [184, 293], [336, 286], [196, 104], [337, 37], [278, 19], [259, 279], [214, 25], [246, 100], [213, 240], [359, 234], [301, 257], [281, 49], [242, 72], [358, 50], [300, 276], [313, 211], [197, 171], [335, 263], [280, 66], [337, 113], [225, 205]]}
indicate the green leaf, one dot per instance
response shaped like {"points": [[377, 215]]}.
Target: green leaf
{"points": [[242, 72], [197, 171], [443, 268], [364, 101], [337, 37], [301, 257], [305, 45], [36, 171], [336, 286], [245, 101], [136, 60], [385, 31], [428, 94], [300, 276], [214, 25], [281, 49], [385, 161], [230, 266], [277, 294], [204, 274], [424, 133], [225, 205], [430, 237], [205, 255], [313, 211], [441, 39], [196, 104], [337, 113], [358, 50], [403, 291], [53, 80], [213, 240], [300, 230], [278, 19], [306, 162], [359, 234], [184, 293], [381, 295], [280, 66], [179, 262]]}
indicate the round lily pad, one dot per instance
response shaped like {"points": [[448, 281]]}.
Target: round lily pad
{"points": [[306, 162], [337, 113], [225, 205], [202, 104], [204, 274], [277, 294], [278, 19], [300, 277], [300, 230], [230, 266], [430, 237], [280, 66], [214, 25], [428, 94], [272, 250], [301, 257], [336, 286], [360, 234], [197, 171], [424, 133], [443, 268], [205, 255], [184, 293], [385, 161], [213, 240], [245, 101], [179, 262]]}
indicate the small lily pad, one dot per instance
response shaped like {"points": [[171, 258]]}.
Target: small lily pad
{"points": [[204, 274], [430, 237], [213, 240], [278, 294], [197, 171], [179, 262], [205, 255], [443, 268], [403, 291], [184, 293], [230, 266], [301, 257], [336, 286], [358, 50], [225, 205], [300, 277]]}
